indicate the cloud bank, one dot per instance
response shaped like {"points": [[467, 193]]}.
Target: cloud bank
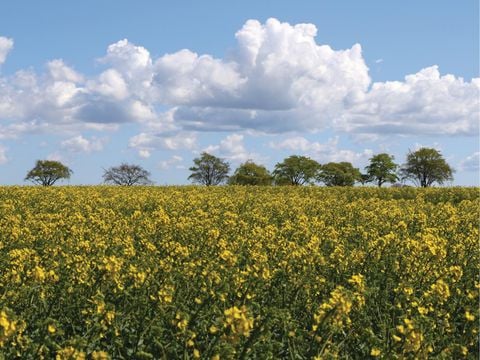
{"points": [[277, 79]]}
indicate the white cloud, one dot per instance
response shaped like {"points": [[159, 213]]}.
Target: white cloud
{"points": [[174, 160], [145, 143], [110, 83], [323, 152], [471, 163], [79, 144], [6, 45], [277, 79], [144, 153], [232, 148], [425, 103], [133, 63], [184, 78], [59, 71]]}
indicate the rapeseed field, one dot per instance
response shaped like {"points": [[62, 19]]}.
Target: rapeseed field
{"points": [[238, 273]]}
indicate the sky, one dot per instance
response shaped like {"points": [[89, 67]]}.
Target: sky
{"points": [[97, 83]]}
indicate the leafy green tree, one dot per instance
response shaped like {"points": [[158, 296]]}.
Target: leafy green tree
{"points": [[127, 175], [381, 169], [48, 172], [209, 170], [425, 167], [250, 173], [296, 170], [339, 174]]}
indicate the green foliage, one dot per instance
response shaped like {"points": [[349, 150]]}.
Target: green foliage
{"points": [[250, 173], [209, 170], [381, 169], [296, 170], [339, 174], [127, 175], [425, 167], [48, 172]]}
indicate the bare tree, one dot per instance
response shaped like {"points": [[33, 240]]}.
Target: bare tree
{"points": [[127, 175]]}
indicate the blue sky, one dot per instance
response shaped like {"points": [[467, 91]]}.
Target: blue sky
{"points": [[94, 84]]}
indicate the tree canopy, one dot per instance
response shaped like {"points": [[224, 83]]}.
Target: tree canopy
{"points": [[296, 170], [209, 170], [250, 173], [381, 169], [339, 174], [126, 175], [425, 167], [48, 172]]}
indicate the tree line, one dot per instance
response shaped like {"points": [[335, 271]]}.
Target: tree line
{"points": [[424, 167]]}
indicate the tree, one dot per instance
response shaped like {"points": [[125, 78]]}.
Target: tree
{"points": [[209, 170], [127, 175], [425, 167], [381, 169], [296, 170], [339, 174], [48, 172], [250, 173]]}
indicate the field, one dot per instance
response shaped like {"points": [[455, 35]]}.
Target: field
{"points": [[238, 272]]}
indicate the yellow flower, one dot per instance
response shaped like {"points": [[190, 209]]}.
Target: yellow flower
{"points": [[8, 326], [238, 321], [39, 274], [213, 329], [51, 329], [182, 324], [469, 316], [109, 316], [70, 353], [422, 310], [375, 352], [100, 355]]}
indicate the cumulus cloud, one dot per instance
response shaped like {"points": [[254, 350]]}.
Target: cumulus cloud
{"points": [[6, 45], [323, 152], [278, 78], [175, 160], [425, 103], [145, 143], [232, 148], [79, 144], [471, 163], [59, 71], [132, 61], [110, 83]]}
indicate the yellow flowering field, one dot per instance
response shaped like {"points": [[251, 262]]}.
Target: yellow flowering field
{"points": [[238, 273]]}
